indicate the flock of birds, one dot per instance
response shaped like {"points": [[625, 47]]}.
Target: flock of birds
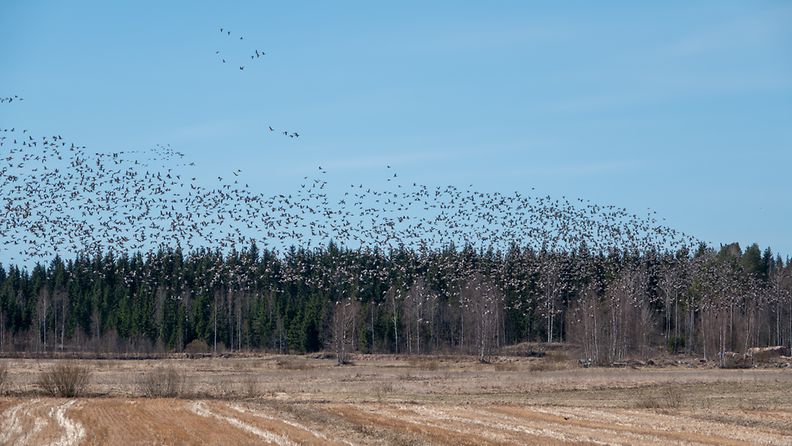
{"points": [[10, 99], [288, 133], [59, 198], [224, 58]]}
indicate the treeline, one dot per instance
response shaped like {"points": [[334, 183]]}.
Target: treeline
{"points": [[612, 305]]}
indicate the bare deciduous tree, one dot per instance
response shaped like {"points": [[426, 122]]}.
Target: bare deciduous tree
{"points": [[345, 315]]}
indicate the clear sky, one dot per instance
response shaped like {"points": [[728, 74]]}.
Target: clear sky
{"points": [[682, 107]]}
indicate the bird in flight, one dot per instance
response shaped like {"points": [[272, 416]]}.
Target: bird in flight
{"points": [[255, 55]]}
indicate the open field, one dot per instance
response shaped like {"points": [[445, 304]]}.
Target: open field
{"points": [[400, 400]]}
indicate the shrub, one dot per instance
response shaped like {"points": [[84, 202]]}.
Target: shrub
{"points": [[64, 380], [424, 364], [197, 346], [383, 389], [668, 398], [249, 387], [555, 356], [551, 361], [162, 382], [506, 367], [292, 363]]}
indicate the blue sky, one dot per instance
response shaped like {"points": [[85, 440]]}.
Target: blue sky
{"points": [[681, 107]]}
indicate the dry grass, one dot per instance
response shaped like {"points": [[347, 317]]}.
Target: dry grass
{"points": [[66, 380], [121, 421], [393, 400]]}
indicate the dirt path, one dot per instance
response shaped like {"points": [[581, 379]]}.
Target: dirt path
{"points": [[281, 425], [201, 409], [20, 423], [72, 431], [40, 422]]}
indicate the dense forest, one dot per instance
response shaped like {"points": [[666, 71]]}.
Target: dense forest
{"points": [[455, 300]]}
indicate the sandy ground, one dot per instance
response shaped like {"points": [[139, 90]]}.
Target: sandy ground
{"points": [[400, 400]]}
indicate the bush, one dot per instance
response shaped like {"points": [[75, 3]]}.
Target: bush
{"points": [[506, 367], [292, 363], [424, 364], [667, 398], [164, 382], [197, 346], [249, 387], [383, 389], [64, 380], [555, 356], [550, 362]]}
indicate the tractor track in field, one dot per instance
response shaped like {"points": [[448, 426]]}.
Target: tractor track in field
{"points": [[140, 421]]}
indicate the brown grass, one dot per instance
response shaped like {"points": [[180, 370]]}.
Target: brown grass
{"points": [[390, 400]]}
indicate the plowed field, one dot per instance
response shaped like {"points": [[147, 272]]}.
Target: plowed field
{"points": [[391, 400]]}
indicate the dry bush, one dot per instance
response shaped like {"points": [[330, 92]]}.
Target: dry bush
{"points": [[382, 390], [673, 397], [64, 380], [556, 356], [249, 387], [407, 377], [648, 402], [506, 367], [292, 363], [162, 382], [346, 361], [541, 366], [424, 364], [551, 361], [668, 398], [197, 346], [240, 365]]}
